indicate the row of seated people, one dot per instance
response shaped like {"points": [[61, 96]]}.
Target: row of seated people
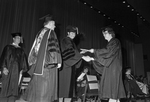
{"points": [[135, 88]]}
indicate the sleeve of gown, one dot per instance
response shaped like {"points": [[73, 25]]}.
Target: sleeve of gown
{"points": [[32, 55], [106, 56], [71, 55], [59, 59], [98, 67], [4, 58], [53, 50], [25, 65]]}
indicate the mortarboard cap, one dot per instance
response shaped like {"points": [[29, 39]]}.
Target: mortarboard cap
{"points": [[72, 29], [107, 28], [47, 18], [16, 34]]}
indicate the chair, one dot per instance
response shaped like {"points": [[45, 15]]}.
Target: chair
{"points": [[91, 88], [24, 84]]}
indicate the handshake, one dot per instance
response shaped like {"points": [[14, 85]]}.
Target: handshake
{"points": [[87, 58]]}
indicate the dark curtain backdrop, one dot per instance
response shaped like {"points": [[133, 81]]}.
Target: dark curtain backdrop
{"points": [[23, 16]]}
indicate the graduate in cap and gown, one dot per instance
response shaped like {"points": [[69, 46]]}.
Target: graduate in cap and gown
{"points": [[109, 63], [44, 59], [13, 63]]}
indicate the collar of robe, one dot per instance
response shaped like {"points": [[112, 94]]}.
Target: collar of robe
{"points": [[16, 45]]}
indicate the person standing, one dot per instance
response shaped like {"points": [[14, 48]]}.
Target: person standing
{"points": [[13, 63], [71, 60], [110, 60], [44, 59]]}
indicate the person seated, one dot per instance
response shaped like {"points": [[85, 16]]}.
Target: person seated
{"points": [[133, 88], [81, 83]]}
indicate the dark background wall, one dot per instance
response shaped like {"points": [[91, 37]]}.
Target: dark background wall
{"points": [[23, 16], [143, 8]]}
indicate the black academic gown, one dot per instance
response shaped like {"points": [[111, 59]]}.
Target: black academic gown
{"points": [[110, 59], [133, 86], [71, 59], [14, 59]]}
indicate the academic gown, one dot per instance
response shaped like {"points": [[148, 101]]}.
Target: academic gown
{"points": [[14, 59], [132, 86], [43, 58], [110, 59], [71, 60]]}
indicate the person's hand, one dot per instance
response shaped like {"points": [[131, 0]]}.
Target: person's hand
{"points": [[87, 58], [91, 50], [5, 71], [59, 65], [80, 79]]}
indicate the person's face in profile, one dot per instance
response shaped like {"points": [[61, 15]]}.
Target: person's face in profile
{"points": [[106, 35], [17, 39], [128, 71], [71, 35], [51, 25]]}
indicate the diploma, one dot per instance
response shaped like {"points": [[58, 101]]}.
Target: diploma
{"points": [[85, 50]]}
